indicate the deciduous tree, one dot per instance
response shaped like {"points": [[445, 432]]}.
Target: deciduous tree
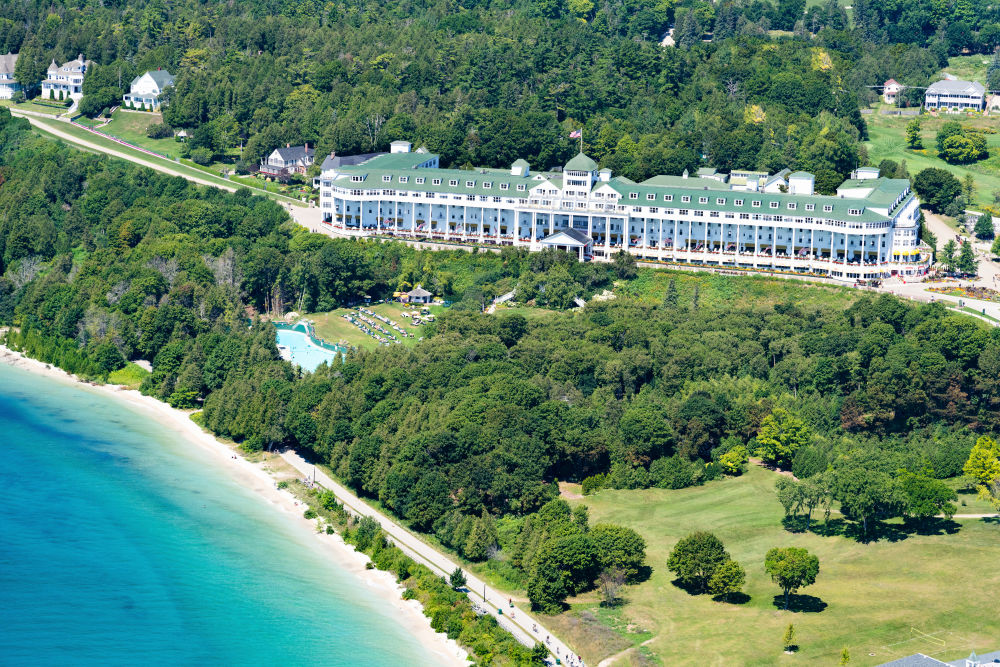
{"points": [[791, 568]]}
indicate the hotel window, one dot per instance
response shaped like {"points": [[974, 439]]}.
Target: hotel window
{"points": [[713, 214], [504, 186], [683, 211], [436, 181], [453, 183], [487, 185], [357, 179], [810, 207], [650, 197], [496, 200], [633, 195], [827, 208], [668, 197], [404, 179], [469, 184], [854, 211], [755, 204], [685, 199], [738, 202], [653, 209], [387, 179], [520, 188], [720, 202], [791, 206], [774, 204], [702, 200], [420, 180]]}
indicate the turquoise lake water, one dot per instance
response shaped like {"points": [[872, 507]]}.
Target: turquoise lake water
{"points": [[121, 544], [304, 352]]}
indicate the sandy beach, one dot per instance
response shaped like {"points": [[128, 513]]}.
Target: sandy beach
{"points": [[261, 478]]}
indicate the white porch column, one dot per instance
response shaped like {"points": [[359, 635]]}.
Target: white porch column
{"points": [[659, 240]]}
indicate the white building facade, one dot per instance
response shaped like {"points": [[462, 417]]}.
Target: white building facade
{"points": [[65, 81], [145, 90], [8, 85], [869, 230]]}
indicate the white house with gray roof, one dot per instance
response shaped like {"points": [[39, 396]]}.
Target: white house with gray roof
{"points": [[955, 95], [65, 81], [868, 231], [8, 85], [288, 160], [146, 89]]}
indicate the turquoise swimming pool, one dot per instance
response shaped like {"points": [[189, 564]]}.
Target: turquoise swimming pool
{"points": [[300, 350]]}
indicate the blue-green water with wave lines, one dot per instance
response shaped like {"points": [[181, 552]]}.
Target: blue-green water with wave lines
{"points": [[122, 544]]}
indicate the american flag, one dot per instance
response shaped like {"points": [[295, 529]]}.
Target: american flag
{"points": [[576, 134]]}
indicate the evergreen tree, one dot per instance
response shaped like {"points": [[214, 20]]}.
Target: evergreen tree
{"points": [[993, 73], [967, 260], [671, 298], [913, 139], [948, 256], [984, 227]]}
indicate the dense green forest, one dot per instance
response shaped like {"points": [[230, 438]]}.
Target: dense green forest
{"points": [[465, 434], [486, 83]]}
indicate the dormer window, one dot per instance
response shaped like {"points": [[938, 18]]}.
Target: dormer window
{"points": [[720, 202], [854, 211], [504, 186], [453, 183], [633, 195], [436, 181], [810, 207], [668, 197], [773, 204], [387, 179], [520, 187], [738, 202], [827, 208], [791, 206], [702, 200], [650, 197], [404, 179], [755, 204], [357, 179], [685, 199], [420, 180], [469, 184]]}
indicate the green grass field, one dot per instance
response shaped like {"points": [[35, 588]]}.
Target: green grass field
{"points": [[874, 599], [31, 106], [886, 141], [734, 291], [333, 328], [968, 68], [131, 126]]}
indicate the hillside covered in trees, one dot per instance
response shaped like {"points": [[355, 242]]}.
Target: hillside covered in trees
{"points": [[489, 82], [465, 434]]}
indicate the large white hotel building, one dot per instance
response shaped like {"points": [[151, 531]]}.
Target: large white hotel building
{"points": [[750, 220]]}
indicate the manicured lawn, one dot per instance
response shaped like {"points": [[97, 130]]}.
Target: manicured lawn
{"points": [[131, 126], [333, 328], [874, 599], [31, 106], [887, 141]]}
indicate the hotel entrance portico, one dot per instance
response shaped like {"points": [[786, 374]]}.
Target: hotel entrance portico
{"points": [[570, 240]]}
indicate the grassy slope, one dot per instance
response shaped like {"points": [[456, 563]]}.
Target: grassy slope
{"points": [[30, 106], [131, 126], [873, 593], [887, 142], [333, 328]]}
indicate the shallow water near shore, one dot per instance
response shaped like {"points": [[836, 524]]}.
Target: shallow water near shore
{"points": [[120, 543]]}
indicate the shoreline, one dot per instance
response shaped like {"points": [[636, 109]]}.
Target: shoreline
{"points": [[257, 478]]}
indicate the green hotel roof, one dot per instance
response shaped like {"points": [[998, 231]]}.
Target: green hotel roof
{"points": [[884, 191], [581, 163]]}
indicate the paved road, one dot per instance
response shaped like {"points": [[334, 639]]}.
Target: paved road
{"points": [[520, 625]]}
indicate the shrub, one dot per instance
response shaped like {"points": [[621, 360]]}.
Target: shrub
{"points": [[201, 156], [159, 131], [594, 483], [734, 461], [309, 513], [672, 472]]}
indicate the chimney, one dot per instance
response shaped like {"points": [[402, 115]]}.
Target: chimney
{"points": [[287, 145], [306, 146]]}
